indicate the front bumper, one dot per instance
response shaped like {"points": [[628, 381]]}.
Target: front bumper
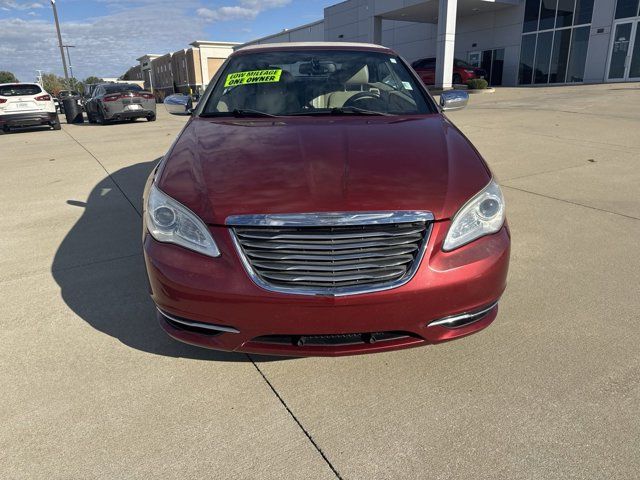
{"points": [[28, 119], [193, 291]]}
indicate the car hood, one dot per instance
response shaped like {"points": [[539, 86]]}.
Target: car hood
{"points": [[222, 167]]}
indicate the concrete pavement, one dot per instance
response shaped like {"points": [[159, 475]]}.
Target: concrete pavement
{"points": [[91, 388]]}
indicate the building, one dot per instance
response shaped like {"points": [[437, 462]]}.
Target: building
{"points": [[162, 75], [518, 42], [310, 32], [185, 65], [145, 67], [133, 74], [211, 55], [185, 71]]}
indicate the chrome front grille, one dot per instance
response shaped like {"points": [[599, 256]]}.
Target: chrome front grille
{"points": [[331, 254]]}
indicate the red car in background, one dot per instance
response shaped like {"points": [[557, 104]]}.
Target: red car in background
{"points": [[319, 202], [462, 71]]}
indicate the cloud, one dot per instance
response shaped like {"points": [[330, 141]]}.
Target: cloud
{"points": [[9, 5], [245, 10], [105, 46]]}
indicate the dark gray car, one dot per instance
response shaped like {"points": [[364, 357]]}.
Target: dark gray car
{"points": [[120, 101]]}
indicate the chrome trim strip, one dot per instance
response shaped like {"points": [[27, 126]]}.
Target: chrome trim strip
{"points": [[333, 219], [367, 218], [462, 317], [206, 326]]}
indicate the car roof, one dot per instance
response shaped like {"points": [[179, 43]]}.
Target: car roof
{"points": [[315, 46], [19, 83], [433, 58], [110, 84]]}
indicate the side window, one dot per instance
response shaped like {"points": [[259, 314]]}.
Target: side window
{"points": [[430, 63], [419, 64]]}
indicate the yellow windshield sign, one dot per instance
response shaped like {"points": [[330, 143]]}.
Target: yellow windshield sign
{"points": [[255, 76]]}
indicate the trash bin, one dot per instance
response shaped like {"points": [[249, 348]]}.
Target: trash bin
{"points": [[72, 110]]}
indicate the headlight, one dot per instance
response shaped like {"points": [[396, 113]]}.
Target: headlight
{"points": [[171, 222], [480, 216]]}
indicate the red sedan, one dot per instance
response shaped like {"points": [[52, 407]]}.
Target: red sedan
{"points": [[319, 202], [462, 71]]}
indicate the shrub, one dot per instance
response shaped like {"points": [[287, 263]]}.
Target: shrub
{"points": [[477, 84]]}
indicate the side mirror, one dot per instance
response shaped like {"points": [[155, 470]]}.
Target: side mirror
{"points": [[178, 104], [453, 100]]}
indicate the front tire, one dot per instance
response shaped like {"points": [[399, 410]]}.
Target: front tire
{"points": [[151, 118]]}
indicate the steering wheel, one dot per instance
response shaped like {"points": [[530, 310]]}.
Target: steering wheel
{"points": [[362, 96]]}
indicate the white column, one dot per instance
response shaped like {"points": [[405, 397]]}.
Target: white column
{"points": [[445, 42]]}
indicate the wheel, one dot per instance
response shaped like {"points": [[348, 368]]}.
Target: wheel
{"points": [[91, 118], [56, 125], [457, 80], [151, 118], [4, 130], [100, 117]]}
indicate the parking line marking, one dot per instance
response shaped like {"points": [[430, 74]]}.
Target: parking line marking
{"points": [[105, 169], [570, 202], [304, 430]]}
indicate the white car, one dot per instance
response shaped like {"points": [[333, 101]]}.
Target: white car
{"points": [[26, 105]]}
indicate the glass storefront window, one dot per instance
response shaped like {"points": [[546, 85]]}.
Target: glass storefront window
{"points": [[634, 69], [584, 11], [547, 14], [626, 8], [578, 54], [531, 13], [497, 66], [560, 56], [558, 51], [564, 17], [543, 55], [527, 52], [621, 41]]}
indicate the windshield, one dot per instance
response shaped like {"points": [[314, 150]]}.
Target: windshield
{"points": [[18, 89], [122, 87], [316, 82], [462, 64]]}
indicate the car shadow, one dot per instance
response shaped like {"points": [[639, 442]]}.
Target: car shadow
{"points": [[100, 270], [35, 128], [112, 122]]}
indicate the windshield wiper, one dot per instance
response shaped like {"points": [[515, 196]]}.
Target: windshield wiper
{"points": [[356, 111], [342, 111], [247, 112], [238, 112]]}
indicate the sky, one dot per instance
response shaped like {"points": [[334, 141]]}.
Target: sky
{"points": [[110, 34]]}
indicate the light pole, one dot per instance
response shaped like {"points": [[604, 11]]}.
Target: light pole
{"points": [[64, 61], [69, 58]]}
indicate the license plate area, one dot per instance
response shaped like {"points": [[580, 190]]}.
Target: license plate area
{"points": [[22, 106]]}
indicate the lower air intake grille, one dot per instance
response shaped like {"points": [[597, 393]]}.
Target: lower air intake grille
{"points": [[332, 259]]}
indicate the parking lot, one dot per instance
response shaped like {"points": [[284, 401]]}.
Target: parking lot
{"points": [[92, 388]]}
